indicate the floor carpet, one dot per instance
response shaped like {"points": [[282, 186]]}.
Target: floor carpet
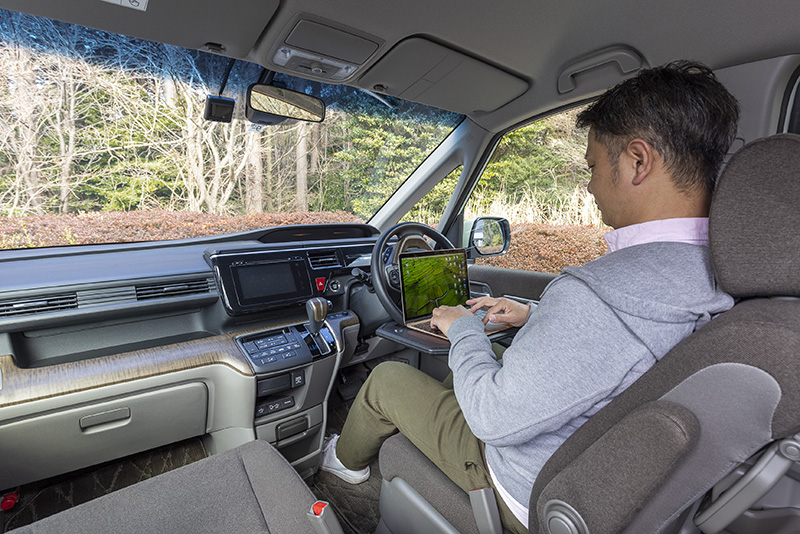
{"points": [[356, 506]]}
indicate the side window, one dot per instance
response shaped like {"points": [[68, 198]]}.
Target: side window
{"points": [[537, 179]]}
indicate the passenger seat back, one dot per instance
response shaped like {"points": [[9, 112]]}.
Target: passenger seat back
{"points": [[719, 396]]}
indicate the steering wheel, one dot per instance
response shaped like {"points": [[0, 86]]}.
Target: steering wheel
{"points": [[385, 261]]}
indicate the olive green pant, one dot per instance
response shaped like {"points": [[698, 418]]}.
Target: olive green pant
{"points": [[397, 397]]}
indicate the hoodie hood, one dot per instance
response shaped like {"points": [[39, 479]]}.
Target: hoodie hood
{"points": [[662, 283]]}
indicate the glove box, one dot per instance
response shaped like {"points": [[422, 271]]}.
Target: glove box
{"points": [[55, 442]]}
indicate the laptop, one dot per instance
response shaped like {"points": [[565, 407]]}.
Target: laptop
{"points": [[433, 278]]}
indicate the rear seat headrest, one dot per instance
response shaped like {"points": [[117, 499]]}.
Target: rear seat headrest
{"points": [[754, 227]]}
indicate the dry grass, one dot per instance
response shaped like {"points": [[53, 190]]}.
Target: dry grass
{"points": [[132, 226], [550, 248], [576, 207], [534, 246]]}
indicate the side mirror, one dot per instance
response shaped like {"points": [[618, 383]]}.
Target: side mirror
{"points": [[488, 236], [267, 104]]}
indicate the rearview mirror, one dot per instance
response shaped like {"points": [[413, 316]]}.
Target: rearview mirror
{"points": [[267, 104]]}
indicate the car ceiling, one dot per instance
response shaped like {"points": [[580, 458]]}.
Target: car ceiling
{"points": [[527, 42]]}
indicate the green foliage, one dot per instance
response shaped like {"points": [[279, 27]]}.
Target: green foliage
{"points": [[385, 147], [544, 160], [430, 209]]}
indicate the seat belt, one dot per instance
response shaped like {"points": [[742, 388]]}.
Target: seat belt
{"points": [[323, 519], [485, 511]]}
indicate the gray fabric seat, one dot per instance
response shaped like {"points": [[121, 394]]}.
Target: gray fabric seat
{"points": [[717, 399], [248, 489]]}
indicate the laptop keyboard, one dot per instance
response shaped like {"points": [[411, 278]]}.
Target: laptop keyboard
{"points": [[426, 326]]}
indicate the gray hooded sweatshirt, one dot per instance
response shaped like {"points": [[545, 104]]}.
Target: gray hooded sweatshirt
{"points": [[596, 330]]}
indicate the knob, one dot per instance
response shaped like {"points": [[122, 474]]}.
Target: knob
{"points": [[317, 310]]}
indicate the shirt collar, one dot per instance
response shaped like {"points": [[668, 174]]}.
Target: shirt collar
{"points": [[693, 230]]}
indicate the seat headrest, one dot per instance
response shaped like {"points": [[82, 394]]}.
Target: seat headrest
{"points": [[754, 225]]}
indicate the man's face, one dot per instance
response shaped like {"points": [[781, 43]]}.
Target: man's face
{"points": [[604, 184]]}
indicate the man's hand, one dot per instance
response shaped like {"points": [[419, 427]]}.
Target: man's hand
{"points": [[443, 316], [501, 310]]}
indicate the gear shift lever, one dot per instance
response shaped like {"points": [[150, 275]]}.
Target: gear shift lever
{"points": [[317, 309]]}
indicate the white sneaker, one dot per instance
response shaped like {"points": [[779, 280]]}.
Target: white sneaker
{"points": [[331, 464]]}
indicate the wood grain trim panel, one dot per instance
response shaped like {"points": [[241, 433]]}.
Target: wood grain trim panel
{"points": [[24, 385]]}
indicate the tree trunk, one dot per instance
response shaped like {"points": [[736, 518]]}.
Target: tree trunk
{"points": [[68, 145], [253, 192], [302, 167], [193, 141], [27, 137], [268, 179]]}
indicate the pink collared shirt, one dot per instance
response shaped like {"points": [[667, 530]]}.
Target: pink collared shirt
{"points": [[692, 230]]}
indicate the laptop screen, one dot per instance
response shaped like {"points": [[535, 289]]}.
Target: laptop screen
{"points": [[432, 278]]}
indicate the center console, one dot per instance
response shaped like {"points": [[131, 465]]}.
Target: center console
{"points": [[296, 363], [295, 370]]}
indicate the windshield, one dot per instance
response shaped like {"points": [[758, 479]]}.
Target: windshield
{"points": [[102, 139]]}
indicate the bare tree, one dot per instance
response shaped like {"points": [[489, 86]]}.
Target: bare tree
{"points": [[254, 198], [302, 166]]}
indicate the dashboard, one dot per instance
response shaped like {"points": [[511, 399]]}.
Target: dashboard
{"points": [[108, 350]]}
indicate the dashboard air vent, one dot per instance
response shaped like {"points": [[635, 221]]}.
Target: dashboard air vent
{"points": [[177, 288], [324, 260], [35, 305]]}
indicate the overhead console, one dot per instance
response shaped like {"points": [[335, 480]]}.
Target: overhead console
{"points": [[423, 71], [316, 48]]}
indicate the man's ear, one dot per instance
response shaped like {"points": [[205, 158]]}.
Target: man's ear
{"points": [[642, 157]]}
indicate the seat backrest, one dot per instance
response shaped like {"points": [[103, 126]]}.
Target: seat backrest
{"points": [[721, 394]]}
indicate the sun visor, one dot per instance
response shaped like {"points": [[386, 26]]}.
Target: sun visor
{"points": [[423, 71], [232, 30]]}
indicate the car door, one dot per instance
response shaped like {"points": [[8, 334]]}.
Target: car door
{"points": [[536, 178]]}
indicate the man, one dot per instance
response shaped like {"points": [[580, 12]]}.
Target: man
{"points": [[655, 147]]}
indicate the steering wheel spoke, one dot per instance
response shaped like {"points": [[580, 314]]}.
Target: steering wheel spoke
{"points": [[393, 276]]}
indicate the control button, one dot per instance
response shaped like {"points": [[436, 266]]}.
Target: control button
{"points": [[295, 346], [290, 354], [269, 359], [320, 283], [273, 407], [250, 347], [334, 285], [298, 378], [288, 402], [261, 411], [327, 336]]}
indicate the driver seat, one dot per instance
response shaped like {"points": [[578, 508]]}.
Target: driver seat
{"points": [[726, 394]]}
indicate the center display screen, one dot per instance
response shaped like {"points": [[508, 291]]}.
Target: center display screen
{"points": [[264, 280], [256, 281], [258, 284]]}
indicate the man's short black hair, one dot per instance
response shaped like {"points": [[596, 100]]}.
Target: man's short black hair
{"points": [[681, 109]]}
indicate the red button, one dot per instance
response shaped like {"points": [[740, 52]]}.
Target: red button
{"points": [[320, 284], [319, 507], [10, 500]]}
